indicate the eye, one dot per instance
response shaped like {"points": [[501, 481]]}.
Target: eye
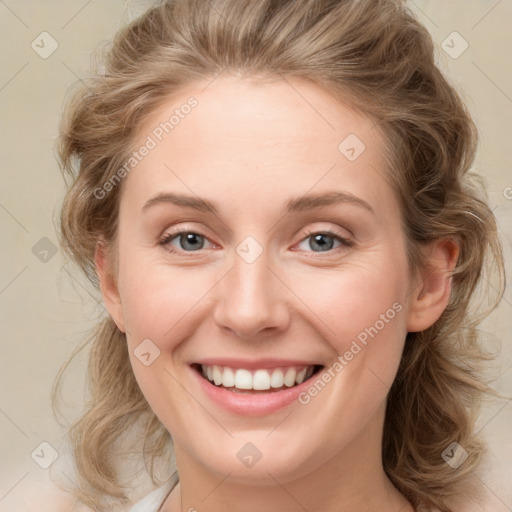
{"points": [[325, 240], [188, 241]]}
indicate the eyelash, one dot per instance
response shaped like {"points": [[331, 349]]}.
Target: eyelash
{"points": [[345, 243]]}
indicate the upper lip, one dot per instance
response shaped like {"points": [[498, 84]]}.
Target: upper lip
{"points": [[252, 364]]}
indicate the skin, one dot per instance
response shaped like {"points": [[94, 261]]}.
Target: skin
{"points": [[249, 146]]}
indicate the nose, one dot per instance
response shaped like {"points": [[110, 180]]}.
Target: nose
{"points": [[252, 300]]}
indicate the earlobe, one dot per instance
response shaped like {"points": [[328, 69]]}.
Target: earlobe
{"points": [[108, 285], [432, 294]]}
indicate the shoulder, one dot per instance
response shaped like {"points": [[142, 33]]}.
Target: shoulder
{"points": [[153, 501], [38, 493]]}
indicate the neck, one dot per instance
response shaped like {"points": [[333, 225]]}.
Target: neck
{"points": [[350, 481]]}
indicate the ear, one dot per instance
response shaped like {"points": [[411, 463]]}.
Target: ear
{"points": [[108, 285], [431, 296]]}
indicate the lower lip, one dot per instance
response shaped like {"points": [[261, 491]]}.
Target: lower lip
{"points": [[258, 404]]}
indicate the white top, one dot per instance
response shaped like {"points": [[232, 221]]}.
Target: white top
{"points": [[154, 500]]}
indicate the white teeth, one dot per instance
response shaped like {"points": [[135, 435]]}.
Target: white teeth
{"points": [[258, 379], [277, 379], [228, 378], [289, 378], [217, 375], [243, 379], [261, 380], [300, 376]]}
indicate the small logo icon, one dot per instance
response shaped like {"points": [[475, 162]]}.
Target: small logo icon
{"points": [[44, 455], [351, 147], [454, 45], [44, 250], [454, 455], [249, 455], [44, 45], [249, 249], [146, 352]]}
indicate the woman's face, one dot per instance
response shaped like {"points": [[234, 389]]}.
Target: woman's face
{"points": [[270, 278]]}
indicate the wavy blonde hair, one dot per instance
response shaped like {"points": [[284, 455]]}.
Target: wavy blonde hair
{"points": [[373, 55]]}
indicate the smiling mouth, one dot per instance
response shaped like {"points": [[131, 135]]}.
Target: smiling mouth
{"points": [[241, 380]]}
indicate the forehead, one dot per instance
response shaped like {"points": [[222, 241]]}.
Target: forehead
{"points": [[259, 112], [244, 137]]}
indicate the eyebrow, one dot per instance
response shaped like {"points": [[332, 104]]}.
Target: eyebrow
{"points": [[299, 204]]}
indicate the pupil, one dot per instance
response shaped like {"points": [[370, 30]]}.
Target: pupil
{"points": [[323, 246], [190, 238]]}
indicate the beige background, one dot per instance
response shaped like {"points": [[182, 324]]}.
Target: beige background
{"points": [[47, 308]]}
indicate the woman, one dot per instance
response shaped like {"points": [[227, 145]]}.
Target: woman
{"points": [[274, 200]]}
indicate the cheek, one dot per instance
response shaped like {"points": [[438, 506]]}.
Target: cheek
{"points": [[157, 302], [360, 312], [347, 301], [340, 304]]}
